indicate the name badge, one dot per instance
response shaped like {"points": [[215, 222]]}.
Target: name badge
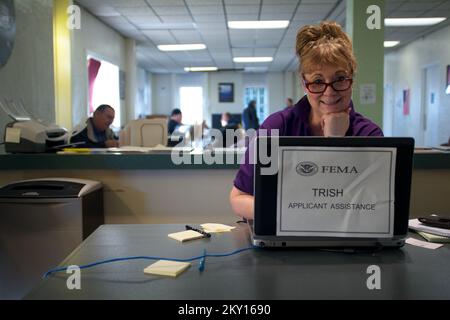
{"points": [[336, 192]]}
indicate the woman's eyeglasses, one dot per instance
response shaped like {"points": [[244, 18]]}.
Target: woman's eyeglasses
{"points": [[320, 87]]}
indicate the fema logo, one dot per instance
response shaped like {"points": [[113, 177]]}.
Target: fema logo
{"points": [[307, 168]]}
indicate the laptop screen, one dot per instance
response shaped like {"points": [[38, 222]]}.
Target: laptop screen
{"points": [[355, 187]]}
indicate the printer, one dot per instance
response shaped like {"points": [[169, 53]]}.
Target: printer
{"points": [[32, 136], [28, 135]]}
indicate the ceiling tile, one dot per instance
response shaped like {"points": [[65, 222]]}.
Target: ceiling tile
{"points": [[240, 2], [206, 10], [176, 19], [160, 36], [133, 11], [322, 1], [271, 2], [170, 10], [103, 11], [264, 52], [242, 52], [212, 18], [322, 9], [189, 21], [123, 4], [242, 9], [114, 20], [265, 42], [187, 36], [165, 2], [201, 2], [316, 17], [278, 8], [242, 17], [275, 16]]}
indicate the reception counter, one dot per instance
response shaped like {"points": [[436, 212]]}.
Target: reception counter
{"points": [[163, 161], [151, 188]]}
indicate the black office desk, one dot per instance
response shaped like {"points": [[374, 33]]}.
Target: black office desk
{"points": [[407, 273]]}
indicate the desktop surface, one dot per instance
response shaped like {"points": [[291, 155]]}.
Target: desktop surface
{"points": [[406, 273]]}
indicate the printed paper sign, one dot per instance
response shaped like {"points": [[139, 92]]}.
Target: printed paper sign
{"points": [[336, 192], [367, 93], [12, 135]]}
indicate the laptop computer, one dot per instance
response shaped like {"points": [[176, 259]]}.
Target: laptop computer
{"points": [[331, 192]]}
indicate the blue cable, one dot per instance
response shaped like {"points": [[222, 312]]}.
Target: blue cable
{"points": [[201, 257], [201, 266]]}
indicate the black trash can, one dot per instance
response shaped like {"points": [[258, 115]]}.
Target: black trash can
{"points": [[42, 222]]}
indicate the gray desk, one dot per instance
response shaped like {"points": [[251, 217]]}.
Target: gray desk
{"points": [[407, 273]]}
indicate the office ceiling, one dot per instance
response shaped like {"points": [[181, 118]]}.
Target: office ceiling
{"points": [[155, 22]]}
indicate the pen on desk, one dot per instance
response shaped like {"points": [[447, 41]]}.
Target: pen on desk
{"points": [[206, 234]]}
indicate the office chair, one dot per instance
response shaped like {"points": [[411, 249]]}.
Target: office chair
{"points": [[144, 133]]}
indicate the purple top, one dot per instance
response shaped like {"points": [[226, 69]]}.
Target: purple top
{"points": [[294, 121]]}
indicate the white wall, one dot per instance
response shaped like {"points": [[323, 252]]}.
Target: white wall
{"points": [[403, 69], [279, 86], [143, 104], [28, 74], [226, 77], [276, 91], [101, 41], [163, 100]]}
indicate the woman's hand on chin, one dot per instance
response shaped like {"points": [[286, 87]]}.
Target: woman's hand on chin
{"points": [[336, 124]]}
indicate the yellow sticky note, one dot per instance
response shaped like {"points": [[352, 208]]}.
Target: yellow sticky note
{"points": [[216, 227], [77, 150], [185, 235], [12, 135], [167, 268]]}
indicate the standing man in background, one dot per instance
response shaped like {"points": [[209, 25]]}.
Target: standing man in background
{"points": [[289, 102], [250, 117]]}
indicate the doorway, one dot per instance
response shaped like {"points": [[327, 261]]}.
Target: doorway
{"points": [[191, 105], [258, 94]]}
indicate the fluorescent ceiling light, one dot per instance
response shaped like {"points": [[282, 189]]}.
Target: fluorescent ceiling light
{"points": [[410, 22], [389, 44], [252, 59], [199, 69], [181, 47], [268, 24]]}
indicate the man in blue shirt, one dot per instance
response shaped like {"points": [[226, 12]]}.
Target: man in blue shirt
{"points": [[95, 133], [175, 120]]}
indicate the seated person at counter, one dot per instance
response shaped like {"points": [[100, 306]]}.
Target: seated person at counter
{"points": [[228, 123], [95, 133], [327, 66], [175, 120]]}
